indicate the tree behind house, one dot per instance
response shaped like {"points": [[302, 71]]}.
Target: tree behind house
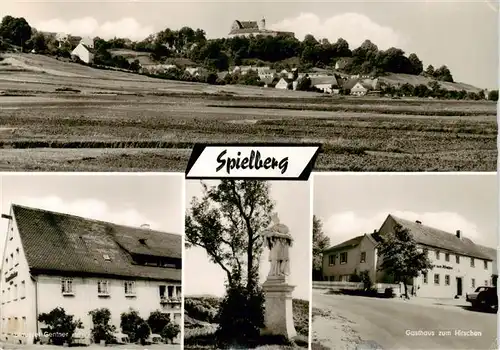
{"points": [[320, 243], [401, 257]]}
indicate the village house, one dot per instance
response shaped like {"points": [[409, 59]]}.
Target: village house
{"points": [[459, 265], [326, 84], [84, 53], [285, 83], [342, 63], [253, 28], [55, 260], [198, 72]]}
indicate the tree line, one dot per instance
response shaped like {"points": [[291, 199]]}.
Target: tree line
{"points": [[221, 53]]}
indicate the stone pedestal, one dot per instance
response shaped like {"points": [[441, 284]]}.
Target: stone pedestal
{"points": [[278, 316]]}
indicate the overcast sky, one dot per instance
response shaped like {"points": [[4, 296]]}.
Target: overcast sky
{"points": [[130, 200], [460, 34], [352, 205], [294, 210]]}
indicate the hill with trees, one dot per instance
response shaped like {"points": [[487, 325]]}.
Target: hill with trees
{"points": [[217, 55]]}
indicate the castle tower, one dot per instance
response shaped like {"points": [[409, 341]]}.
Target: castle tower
{"points": [[262, 24]]}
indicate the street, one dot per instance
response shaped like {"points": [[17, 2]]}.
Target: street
{"points": [[371, 323]]}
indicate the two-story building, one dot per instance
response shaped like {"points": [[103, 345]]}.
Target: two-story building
{"points": [[459, 265], [55, 260]]}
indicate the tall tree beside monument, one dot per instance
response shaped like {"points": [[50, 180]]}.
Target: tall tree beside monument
{"points": [[227, 222]]}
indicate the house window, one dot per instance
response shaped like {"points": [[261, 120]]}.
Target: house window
{"points": [[447, 280], [457, 259], [178, 292], [331, 259], [162, 291], [25, 325], [485, 264], [473, 282], [437, 254], [472, 262], [424, 274], [343, 258], [15, 291], [103, 288], [67, 286], [129, 288], [363, 257], [485, 282], [436, 278], [23, 290], [8, 294], [17, 256], [170, 290], [447, 257]]}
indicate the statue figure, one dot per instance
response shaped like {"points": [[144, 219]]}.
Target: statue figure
{"points": [[278, 241]]}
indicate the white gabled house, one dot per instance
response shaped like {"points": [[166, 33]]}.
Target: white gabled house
{"points": [[57, 260], [84, 53]]}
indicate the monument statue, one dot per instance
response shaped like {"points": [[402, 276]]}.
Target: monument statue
{"points": [[278, 241], [278, 317]]}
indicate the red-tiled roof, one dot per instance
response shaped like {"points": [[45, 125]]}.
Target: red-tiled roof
{"points": [[56, 243]]}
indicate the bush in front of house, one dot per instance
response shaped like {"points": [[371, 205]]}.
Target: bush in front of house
{"points": [[170, 331], [102, 331], [157, 321], [134, 326], [60, 326]]}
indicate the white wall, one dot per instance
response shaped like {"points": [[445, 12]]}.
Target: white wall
{"points": [[462, 270], [21, 305], [83, 53], [85, 299]]}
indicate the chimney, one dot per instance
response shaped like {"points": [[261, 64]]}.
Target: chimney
{"points": [[418, 222], [459, 234], [145, 226]]}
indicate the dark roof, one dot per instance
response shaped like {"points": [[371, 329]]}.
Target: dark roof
{"points": [[61, 243], [436, 238], [323, 80], [351, 243], [247, 24], [89, 49], [349, 84]]}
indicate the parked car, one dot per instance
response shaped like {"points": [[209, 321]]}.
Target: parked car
{"points": [[483, 297], [488, 299], [154, 339], [472, 297]]}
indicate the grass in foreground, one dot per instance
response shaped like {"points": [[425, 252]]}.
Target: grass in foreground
{"points": [[200, 326]]}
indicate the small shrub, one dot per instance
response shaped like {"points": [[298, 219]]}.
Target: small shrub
{"points": [[389, 292], [241, 316], [129, 324], [60, 326], [170, 331], [102, 330], [157, 321], [143, 332]]}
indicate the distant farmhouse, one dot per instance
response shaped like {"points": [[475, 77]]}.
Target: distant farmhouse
{"points": [[84, 50], [254, 28]]}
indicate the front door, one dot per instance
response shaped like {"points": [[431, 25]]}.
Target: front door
{"points": [[459, 286]]}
